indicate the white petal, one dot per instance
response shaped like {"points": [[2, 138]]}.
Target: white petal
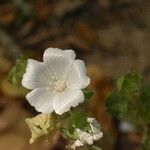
{"points": [[97, 136], [42, 99], [84, 136], [94, 124], [67, 99], [58, 61], [36, 75], [77, 77], [77, 143], [58, 52]]}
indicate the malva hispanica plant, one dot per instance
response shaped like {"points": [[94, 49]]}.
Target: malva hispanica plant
{"points": [[130, 101], [57, 90]]}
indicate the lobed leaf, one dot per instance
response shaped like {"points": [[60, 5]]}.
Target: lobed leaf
{"points": [[123, 102], [39, 126]]}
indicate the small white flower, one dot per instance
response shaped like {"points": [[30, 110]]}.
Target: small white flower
{"points": [[57, 82], [88, 138]]}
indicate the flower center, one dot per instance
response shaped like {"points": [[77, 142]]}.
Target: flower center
{"points": [[59, 86]]}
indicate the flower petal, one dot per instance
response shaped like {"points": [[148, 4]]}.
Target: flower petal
{"points": [[77, 77], [94, 124], [58, 52], [67, 99], [36, 75], [77, 143], [85, 137], [42, 99], [58, 61]]}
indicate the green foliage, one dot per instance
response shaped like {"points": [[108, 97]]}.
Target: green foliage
{"points": [[117, 104], [121, 103], [68, 133], [87, 94], [130, 83], [16, 73], [144, 103], [78, 119], [131, 101], [146, 145]]}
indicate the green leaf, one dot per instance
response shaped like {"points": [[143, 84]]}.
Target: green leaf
{"points": [[123, 102], [39, 126], [117, 105], [146, 145], [87, 94], [69, 133], [144, 103], [16, 73], [78, 119], [130, 83]]}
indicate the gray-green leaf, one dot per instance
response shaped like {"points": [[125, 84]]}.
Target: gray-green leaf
{"points": [[130, 83], [117, 105], [16, 73], [39, 125]]}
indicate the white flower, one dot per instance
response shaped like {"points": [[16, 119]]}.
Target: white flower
{"points": [[77, 143], [88, 138], [96, 129], [56, 82]]}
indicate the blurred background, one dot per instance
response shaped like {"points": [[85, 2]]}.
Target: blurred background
{"points": [[112, 36]]}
